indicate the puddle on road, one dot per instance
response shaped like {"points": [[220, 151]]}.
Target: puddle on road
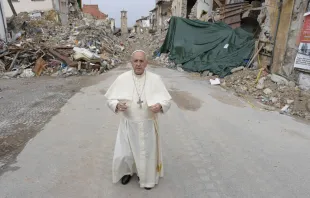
{"points": [[185, 100], [227, 99]]}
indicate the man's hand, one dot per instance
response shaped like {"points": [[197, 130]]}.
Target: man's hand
{"points": [[121, 107], [156, 108]]}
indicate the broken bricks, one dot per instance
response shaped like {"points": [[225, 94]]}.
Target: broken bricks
{"points": [[40, 43]]}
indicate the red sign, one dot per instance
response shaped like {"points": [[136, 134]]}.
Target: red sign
{"points": [[305, 31]]}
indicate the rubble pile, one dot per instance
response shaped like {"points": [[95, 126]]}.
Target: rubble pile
{"points": [[163, 60], [274, 91], [40, 45], [146, 41]]}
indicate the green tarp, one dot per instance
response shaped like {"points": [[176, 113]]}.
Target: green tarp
{"points": [[201, 46]]}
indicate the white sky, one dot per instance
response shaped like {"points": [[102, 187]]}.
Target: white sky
{"points": [[135, 8]]}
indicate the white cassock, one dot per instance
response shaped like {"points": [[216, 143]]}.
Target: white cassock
{"points": [[137, 148]]}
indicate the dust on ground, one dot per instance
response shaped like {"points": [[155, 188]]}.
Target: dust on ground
{"points": [[26, 105]]}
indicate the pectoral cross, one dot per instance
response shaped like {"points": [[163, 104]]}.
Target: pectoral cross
{"points": [[140, 102]]}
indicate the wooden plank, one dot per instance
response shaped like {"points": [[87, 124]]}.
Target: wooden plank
{"points": [[238, 12], [14, 61], [235, 8], [218, 3], [282, 37], [63, 58], [232, 20], [234, 5]]}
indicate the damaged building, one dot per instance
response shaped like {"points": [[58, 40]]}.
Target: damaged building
{"points": [[32, 5], [142, 25], [192, 9], [38, 44], [94, 11], [275, 24], [160, 15], [63, 7]]}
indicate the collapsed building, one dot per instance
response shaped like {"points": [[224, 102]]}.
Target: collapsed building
{"points": [[40, 43], [275, 24], [270, 62]]}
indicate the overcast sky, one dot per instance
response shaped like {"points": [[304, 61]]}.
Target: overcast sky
{"points": [[135, 8]]}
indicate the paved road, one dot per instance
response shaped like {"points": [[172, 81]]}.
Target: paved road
{"points": [[214, 146], [27, 104]]}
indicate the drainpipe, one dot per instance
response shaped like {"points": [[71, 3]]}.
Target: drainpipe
{"points": [[280, 4]]}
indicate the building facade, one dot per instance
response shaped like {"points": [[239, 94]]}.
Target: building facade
{"points": [[163, 13], [124, 25], [192, 9], [94, 11], [153, 18], [28, 6], [112, 23]]}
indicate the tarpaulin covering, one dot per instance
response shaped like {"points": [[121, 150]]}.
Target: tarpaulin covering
{"points": [[201, 46]]}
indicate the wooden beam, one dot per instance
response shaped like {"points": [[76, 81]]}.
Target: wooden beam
{"points": [[218, 3], [14, 61], [63, 58], [12, 7]]}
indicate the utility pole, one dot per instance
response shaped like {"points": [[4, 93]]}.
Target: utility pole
{"points": [[12, 7]]}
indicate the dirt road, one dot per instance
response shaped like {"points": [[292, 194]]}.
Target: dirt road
{"points": [[214, 146]]}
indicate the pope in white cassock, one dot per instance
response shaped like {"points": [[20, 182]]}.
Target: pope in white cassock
{"points": [[138, 95]]}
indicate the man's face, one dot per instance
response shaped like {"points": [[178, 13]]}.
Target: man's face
{"points": [[139, 63]]}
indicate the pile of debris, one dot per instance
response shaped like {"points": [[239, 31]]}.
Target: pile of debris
{"points": [[40, 45], [149, 42], [274, 91], [163, 59]]}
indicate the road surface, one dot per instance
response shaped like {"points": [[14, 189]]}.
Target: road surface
{"points": [[215, 145]]}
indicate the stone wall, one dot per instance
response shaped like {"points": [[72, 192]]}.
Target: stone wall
{"points": [[124, 27], [176, 8]]}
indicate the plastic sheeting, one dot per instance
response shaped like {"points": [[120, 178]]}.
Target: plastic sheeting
{"points": [[201, 46]]}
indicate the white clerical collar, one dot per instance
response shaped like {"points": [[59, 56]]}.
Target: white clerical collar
{"points": [[139, 76]]}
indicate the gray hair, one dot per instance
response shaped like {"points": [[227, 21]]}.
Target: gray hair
{"points": [[133, 53]]}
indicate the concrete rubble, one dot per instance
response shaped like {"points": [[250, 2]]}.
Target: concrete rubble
{"points": [[271, 90], [149, 42], [40, 45]]}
